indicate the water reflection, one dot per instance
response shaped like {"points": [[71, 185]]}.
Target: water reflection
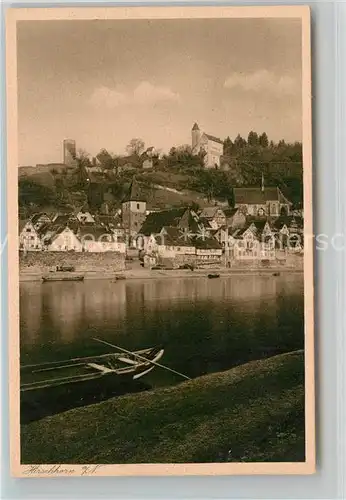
{"points": [[205, 325]]}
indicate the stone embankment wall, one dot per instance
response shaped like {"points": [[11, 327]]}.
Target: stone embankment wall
{"points": [[43, 262], [283, 260]]}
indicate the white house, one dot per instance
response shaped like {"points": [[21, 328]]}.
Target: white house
{"points": [[208, 250], [289, 233], [170, 243], [254, 242], [100, 239], [61, 239], [29, 238]]}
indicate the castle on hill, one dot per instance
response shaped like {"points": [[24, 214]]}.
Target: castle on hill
{"points": [[208, 144]]}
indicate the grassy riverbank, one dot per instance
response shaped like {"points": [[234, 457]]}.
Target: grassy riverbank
{"points": [[254, 412]]}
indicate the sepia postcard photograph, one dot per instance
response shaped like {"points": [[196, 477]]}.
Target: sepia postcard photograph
{"points": [[159, 234]]}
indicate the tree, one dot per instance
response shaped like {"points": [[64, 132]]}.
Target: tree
{"points": [[108, 161], [239, 142], [135, 147], [31, 193], [252, 138], [83, 158], [263, 140], [227, 146], [81, 174], [182, 156], [215, 183]]}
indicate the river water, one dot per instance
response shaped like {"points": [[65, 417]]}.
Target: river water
{"points": [[205, 325]]}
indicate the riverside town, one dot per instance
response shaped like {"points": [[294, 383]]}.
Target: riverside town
{"points": [[127, 209], [162, 238]]}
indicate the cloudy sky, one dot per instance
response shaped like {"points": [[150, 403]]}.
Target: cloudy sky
{"points": [[105, 82]]}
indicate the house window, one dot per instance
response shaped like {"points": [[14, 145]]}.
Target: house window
{"points": [[137, 206], [28, 230]]}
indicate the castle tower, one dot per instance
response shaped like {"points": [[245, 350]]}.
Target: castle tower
{"points": [[69, 147], [195, 136]]}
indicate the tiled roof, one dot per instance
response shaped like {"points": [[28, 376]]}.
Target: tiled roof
{"points": [[155, 221], [108, 220], [96, 231], [255, 227], [289, 221], [51, 231], [259, 225], [207, 243], [230, 212], [127, 160], [174, 236], [36, 217], [64, 219], [255, 195], [209, 212], [205, 222]]}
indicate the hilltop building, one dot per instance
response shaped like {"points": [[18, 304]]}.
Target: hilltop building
{"points": [[147, 158], [208, 144]]}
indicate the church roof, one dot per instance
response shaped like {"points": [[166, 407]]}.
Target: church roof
{"points": [[255, 195], [195, 127], [213, 138]]}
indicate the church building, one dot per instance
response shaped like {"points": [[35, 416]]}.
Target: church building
{"points": [[210, 145]]}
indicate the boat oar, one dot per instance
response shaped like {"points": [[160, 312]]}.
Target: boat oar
{"points": [[143, 358]]}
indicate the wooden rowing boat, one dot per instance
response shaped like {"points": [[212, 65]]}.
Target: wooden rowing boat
{"points": [[50, 388], [214, 275], [77, 370]]}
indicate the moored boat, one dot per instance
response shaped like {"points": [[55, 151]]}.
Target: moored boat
{"points": [[49, 388], [62, 277], [65, 269], [47, 375], [213, 275]]}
